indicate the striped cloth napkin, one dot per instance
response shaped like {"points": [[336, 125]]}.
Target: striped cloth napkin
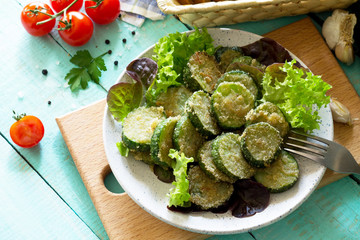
{"points": [[136, 11]]}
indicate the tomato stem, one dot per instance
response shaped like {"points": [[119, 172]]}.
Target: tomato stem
{"points": [[66, 23], [39, 10], [17, 117], [98, 2], [55, 15]]}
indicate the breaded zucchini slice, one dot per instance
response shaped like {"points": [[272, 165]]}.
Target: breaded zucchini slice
{"points": [[139, 125], [198, 109], [205, 192], [254, 72], [161, 142], [228, 157], [206, 162], [260, 144], [186, 138], [173, 100], [225, 55], [230, 103], [241, 77], [282, 174], [247, 60], [201, 72], [142, 156], [270, 113]]}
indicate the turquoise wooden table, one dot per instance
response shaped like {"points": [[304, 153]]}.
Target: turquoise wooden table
{"points": [[42, 195]]}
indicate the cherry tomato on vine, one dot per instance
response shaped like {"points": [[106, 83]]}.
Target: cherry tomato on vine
{"points": [[36, 12], [59, 5], [103, 11], [27, 131], [76, 28]]}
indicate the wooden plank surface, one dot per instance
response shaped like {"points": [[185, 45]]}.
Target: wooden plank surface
{"points": [[25, 89], [331, 213], [121, 216], [42, 210]]}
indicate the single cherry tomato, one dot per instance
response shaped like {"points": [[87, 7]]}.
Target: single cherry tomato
{"points": [[76, 28], [103, 11], [36, 12], [27, 131], [59, 5]]}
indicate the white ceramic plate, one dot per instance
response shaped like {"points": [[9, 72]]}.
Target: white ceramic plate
{"points": [[140, 183]]}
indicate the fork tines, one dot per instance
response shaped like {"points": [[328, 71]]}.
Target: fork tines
{"points": [[328, 153], [298, 143]]}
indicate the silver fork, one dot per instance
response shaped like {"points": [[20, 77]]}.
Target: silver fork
{"points": [[328, 153]]}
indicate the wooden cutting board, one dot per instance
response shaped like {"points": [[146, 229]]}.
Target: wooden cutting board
{"points": [[123, 218]]}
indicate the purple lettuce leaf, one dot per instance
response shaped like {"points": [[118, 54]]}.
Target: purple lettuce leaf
{"points": [[143, 70]]}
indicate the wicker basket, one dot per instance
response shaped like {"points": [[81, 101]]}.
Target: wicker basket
{"points": [[230, 12]]}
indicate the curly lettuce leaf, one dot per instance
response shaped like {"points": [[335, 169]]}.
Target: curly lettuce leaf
{"points": [[296, 95], [172, 53], [179, 195]]}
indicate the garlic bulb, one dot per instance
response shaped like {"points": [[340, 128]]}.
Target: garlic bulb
{"points": [[340, 112], [338, 31]]}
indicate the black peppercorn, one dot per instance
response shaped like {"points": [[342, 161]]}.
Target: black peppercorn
{"points": [[44, 72], [124, 40], [116, 63], [107, 41], [49, 102], [109, 52], [133, 32]]}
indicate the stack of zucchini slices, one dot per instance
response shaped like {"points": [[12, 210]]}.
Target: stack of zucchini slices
{"points": [[216, 118]]}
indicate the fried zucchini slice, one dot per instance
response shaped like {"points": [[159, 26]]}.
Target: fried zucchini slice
{"points": [[201, 72], [206, 162], [186, 138], [247, 60], [241, 77], [228, 156], [230, 103], [260, 144], [282, 174], [173, 100], [225, 55], [161, 142], [198, 109], [270, 113], [142, 156], [205, 192], [139, 125], [254, 72]]}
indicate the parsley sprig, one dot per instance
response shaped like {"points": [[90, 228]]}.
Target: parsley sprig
{"points": [[89, 69]]}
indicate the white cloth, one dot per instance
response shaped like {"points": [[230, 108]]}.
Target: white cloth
{"points": [[136, 11]]}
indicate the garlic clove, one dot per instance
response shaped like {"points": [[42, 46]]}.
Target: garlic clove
{"points": [[344, 52], [331, 28], [340, 112]]}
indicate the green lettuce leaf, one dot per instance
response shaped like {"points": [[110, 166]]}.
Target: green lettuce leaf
{"points": [[123, 97], [172, 53], [179, 195], [124, 151], [296, 95]]}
